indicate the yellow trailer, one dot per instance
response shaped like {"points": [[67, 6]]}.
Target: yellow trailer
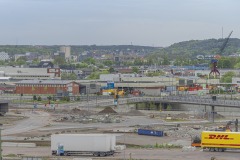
{"points": [[220, 141]]}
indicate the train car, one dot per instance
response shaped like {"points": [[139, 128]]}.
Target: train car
{"points": [[220, 141]]}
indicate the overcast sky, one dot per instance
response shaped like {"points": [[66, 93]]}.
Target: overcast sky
{"points": [[116, 22]]}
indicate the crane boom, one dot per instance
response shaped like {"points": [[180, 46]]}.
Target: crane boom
{"points": [[225, 43]]}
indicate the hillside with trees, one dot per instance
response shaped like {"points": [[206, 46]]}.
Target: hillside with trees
{"points": [[75, 49], [193, 48], [185, 53]]}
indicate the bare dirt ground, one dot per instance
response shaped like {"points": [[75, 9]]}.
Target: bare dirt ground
{"points": [[115, 121], [10, 118]]}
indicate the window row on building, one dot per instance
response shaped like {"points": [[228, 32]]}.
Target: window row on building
{"points": [[41, 85]]}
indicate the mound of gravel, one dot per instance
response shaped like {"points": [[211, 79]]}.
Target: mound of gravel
{"points": [[108, 110], [181, 116], [79, 111], [216, 116]]}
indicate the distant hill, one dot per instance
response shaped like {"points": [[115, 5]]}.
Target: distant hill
{"points": [[75, 49], [193, 48]]}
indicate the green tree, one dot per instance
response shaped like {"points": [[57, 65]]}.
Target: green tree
{"points": [[2, 63], [138, 62], [135, 70], [111, 70], [59, 60], [64, 76], [21, 60], [90, 61], [108, 63], [166, 60], [49, 98], [96, 75], [81, 65], [35, 61], [227, 77], [237, 65], [72, 76], [39, 98], [34, 97], [101, 66]]}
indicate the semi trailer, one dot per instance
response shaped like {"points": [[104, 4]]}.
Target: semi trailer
{"points": [[78, 144], [220, 141]]}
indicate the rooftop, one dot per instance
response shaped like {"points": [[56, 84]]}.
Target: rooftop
{"points": [[44, 82]]}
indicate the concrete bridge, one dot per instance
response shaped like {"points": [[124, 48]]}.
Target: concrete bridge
{"points": [[196, 100]]}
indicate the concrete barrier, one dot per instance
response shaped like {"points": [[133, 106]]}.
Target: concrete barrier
{"points": [[12, 144]]}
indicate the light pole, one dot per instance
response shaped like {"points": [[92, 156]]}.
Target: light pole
{"points": [[1, 141], [96, 92], [88, 97]]}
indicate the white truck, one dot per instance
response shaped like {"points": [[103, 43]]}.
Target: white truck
{"points": [[77, 144]]}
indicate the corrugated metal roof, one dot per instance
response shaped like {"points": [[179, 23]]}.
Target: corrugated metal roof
{"points": [[44, 81]]}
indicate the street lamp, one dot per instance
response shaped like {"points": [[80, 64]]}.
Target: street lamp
{"points": [[88, 97], [1, 141]]}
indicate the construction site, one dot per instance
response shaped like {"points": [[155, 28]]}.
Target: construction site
{"points": [[27, 132]]}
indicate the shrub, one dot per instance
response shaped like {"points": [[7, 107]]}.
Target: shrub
{"points": [[34, 97], [39, 98]]}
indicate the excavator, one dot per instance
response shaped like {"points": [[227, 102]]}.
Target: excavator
{"points": [[196, 140]]}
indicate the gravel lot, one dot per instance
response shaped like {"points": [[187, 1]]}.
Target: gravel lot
{"points": [[41, 123]]}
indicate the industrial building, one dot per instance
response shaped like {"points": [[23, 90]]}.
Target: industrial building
{"points": [[17, 73], [55, 87]]}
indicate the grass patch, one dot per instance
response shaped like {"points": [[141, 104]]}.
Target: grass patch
{"points": [[10, 155], [163, 145], [156, 146], [176, 120]]}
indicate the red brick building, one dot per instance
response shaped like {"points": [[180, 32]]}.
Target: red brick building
{"points": [[47, 87]]}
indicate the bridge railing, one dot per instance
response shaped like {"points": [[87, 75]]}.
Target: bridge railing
{"points": [[189, 99]]}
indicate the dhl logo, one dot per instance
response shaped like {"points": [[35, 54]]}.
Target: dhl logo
{"points": [[218, 136]]}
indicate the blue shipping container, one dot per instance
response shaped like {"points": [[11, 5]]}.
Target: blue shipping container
{"points": [[150, 132], [110, 85]]}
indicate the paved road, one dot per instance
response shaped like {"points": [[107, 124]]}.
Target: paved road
{"points": [[154, 154], [37, 119]]}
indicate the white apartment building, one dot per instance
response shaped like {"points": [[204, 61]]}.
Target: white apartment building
{"points": [[67, 51]]}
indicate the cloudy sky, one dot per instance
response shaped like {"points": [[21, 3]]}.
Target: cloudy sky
{"points": [[116, 22]]}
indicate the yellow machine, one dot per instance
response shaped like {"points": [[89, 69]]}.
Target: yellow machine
{"points": [[113, 92], [220, 141]]}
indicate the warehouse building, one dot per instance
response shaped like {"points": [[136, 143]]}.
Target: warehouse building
{"points": [[55, 87]]}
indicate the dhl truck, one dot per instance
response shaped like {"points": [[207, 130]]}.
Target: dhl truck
{"points": [[220, 141]]}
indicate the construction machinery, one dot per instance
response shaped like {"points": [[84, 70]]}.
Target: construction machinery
{"points": [[196, 141], [227, 128], [214, 61]]}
